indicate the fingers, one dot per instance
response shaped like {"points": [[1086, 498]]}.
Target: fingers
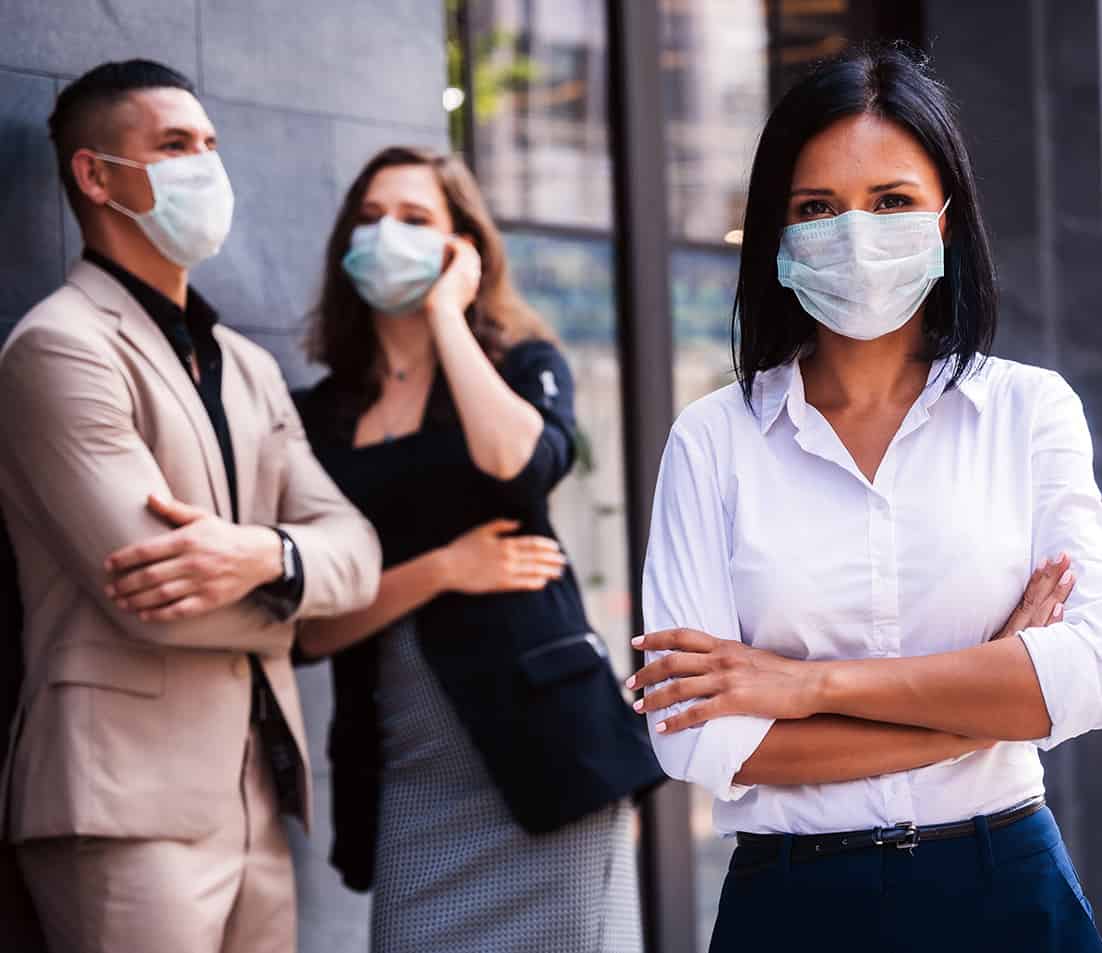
{"points": [[167, 546], [147, 577], [186, 608], [672, 665], [175, 512], [501, 527], [697, 714], [159, 596], [1037, 605], [1052, 609], [680, 690], [684, 640]]}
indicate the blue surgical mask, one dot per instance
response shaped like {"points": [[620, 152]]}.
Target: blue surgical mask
{"points": [[192, 205], [862, 274], [394, 265]]}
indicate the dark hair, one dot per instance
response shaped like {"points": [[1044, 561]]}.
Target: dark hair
{"points": [[342, 335], [78, 118], [891, 82]]}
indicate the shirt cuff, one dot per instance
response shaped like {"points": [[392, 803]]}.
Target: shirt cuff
{"points": [[1056, 672], [722, 749]]}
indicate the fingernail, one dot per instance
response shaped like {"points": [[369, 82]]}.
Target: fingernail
{"points": [[630, 683], [1058, 611], [660, 727], [637, 705], [1066, 578], [110, 590], [1043, 566], [637, 642]]}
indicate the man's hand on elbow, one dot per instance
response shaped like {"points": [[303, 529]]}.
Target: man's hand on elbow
{"points": [[203, 565]]}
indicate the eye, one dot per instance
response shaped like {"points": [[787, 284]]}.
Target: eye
{"points": [[893, 202], [369, 218], [174, 145], [814, 208], [414, 219]]}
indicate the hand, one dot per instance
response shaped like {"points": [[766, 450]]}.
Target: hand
{"points": [[203, 565], [1044, 597], [723, 675], [485, 559], [455, 289]]}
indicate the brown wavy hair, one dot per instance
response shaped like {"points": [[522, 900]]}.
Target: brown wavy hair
{"points": [[342, 331]]}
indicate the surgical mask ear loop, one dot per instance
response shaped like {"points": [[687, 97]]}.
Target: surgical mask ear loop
{"points": [[119, 160]]}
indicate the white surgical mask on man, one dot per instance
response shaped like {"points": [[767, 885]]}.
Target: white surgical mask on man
{"points": [[862, 274], [394, 264], [192, 205]]}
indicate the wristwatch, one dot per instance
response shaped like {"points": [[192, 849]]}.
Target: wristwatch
{"points": [[288, 556]]}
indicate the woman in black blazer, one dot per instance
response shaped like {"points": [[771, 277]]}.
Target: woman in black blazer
{"points": [[483, 756]]}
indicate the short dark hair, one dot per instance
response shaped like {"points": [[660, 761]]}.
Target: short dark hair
{"points": [[81, 104], [892, 82]]}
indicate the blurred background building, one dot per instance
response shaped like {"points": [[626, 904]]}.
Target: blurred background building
{"points": [[303, 94]]}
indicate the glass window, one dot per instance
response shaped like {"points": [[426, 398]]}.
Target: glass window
{"points": [[540, 111]]}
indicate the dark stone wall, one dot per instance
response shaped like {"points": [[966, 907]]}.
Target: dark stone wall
{"points": [[1026, 73], [302, 94]]}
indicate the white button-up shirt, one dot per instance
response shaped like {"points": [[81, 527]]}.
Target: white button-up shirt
{"points": [[765, 530]]}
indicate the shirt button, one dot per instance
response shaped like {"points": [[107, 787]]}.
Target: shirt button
{"points": [[240, 666]]}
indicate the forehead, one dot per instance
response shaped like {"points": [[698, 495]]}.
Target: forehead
{"points": [[149, 111], [862, 148], [406, 183]]}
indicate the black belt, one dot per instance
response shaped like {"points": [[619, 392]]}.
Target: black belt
{"points": [[905, 836]]}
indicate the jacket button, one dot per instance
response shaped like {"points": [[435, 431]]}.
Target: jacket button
{"points": [[241, 666]]}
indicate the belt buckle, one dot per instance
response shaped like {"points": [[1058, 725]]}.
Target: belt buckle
{"points": [[903, 836]]}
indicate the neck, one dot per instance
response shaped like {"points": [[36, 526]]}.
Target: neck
{"points": [[843, 373], [406, 341], [130, 248]]}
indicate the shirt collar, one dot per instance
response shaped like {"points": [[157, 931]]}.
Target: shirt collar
{"points": [[783, 387], [178, 324]]}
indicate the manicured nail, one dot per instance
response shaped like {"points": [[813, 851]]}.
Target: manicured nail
{"points": [[630, 683], [660, 727], [637, 642], [637, 705], [1066, 578], [1058, 611]]}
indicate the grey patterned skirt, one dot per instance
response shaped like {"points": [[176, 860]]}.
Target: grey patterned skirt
{"points": [[454, 871]]}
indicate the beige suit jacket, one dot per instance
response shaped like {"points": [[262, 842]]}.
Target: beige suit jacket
{"points": [[125, 728]]}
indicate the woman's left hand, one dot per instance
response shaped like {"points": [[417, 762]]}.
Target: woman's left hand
{"points": [[458, 284], [723, 676]]}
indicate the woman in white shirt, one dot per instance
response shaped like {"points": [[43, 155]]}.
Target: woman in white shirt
{"points": [[839, 646]]}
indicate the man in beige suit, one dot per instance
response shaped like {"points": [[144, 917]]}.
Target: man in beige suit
{"points": [[170, 523]]}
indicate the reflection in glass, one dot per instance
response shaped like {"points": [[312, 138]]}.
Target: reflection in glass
{"points": [[540, 129]]}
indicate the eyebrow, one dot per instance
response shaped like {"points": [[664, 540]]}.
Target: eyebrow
{"points": [[186, 133], [886, 187], [406, 205]]}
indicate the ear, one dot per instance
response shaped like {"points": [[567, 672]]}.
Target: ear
{"points": [[90, 176]]}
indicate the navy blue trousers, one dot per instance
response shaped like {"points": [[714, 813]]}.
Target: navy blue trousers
{"points": [[1012, 890]]}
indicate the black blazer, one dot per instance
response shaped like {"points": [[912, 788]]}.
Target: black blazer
{"points": [[526, 675], [11, 642]]}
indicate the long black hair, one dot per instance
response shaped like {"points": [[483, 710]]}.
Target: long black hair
{"points": [[892, 82]]}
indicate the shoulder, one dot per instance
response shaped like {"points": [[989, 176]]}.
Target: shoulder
{"points": [[1012, 387], [716, 422], [66, 322], [248, 353], [530, 357]]}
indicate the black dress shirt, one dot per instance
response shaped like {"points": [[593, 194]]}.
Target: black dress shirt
{"points": [[190, 331]]}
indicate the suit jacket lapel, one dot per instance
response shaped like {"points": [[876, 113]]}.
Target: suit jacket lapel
{"points": [[142, 332]]}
